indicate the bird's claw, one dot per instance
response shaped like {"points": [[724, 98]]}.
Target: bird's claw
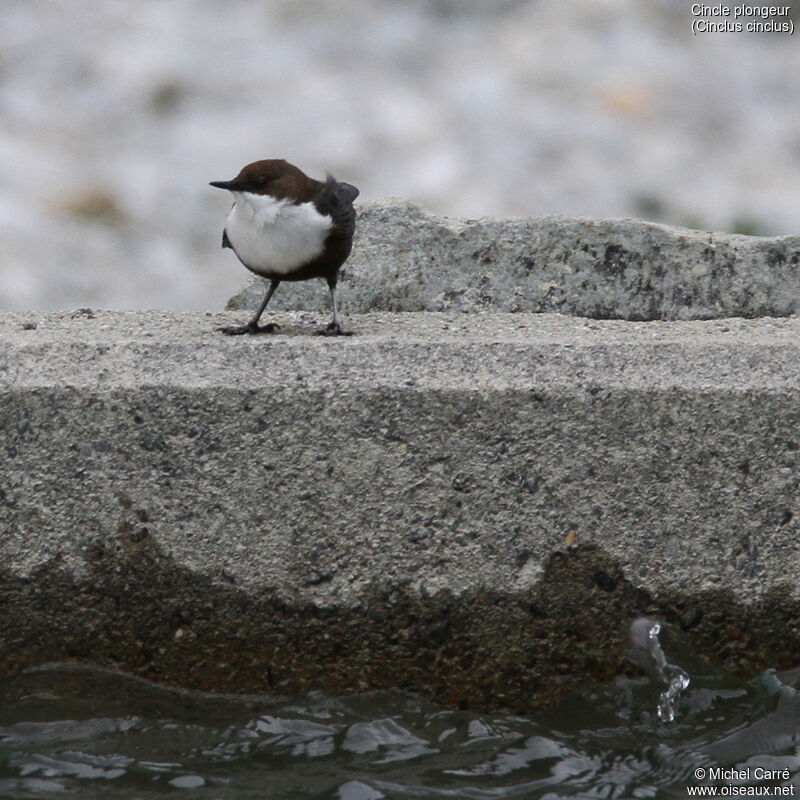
{"points": [[250, 328], [333, 329]]}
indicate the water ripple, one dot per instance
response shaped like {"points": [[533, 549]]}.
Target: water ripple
{"points": [[87, 734]]}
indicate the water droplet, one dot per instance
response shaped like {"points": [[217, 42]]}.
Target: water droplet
{"points": [[643, 634]]}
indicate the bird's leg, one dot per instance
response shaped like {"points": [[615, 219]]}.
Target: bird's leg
{"points": [[333, 328], [253, 326]]}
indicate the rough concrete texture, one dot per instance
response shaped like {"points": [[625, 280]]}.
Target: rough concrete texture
{"points": [[467, 505], [405, 259]]}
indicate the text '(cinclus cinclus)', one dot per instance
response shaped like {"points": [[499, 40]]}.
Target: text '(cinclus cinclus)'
{"points": [[286, 226]]}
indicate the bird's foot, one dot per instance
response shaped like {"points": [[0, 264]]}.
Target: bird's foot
{"points": [[333, 329], [251, 327]]}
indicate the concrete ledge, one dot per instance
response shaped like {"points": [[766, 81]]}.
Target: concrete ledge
{"points": [[469, 506], [406, 259]]}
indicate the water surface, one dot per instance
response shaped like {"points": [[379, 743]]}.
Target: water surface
{"points": [[96, 734]]}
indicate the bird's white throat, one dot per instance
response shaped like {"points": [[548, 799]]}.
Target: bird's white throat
{"points": [[273, 236]]}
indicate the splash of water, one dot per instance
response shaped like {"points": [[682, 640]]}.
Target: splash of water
{"points": [[644, 638]]}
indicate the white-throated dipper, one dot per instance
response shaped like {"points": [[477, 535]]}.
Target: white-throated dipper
{"points": [[286, 226]]}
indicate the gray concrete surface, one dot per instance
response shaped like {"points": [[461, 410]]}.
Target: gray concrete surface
{"points": [[428, 456], [406, 259]]}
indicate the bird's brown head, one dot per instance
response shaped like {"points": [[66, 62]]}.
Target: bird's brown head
{"points": [[272, 176]]}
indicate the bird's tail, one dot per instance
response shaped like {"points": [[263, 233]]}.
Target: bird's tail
{"points": [[336, 199]]}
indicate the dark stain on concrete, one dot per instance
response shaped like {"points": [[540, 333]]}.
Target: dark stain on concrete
{"points": [[137, 610]]}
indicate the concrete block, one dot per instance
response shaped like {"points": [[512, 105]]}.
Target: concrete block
{"points": [[471, 506]]}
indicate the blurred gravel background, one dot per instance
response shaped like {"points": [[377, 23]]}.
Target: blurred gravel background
{"points": [[115, 114]]}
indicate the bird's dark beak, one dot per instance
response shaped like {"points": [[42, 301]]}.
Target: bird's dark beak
{"points": [[222, 184]]}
